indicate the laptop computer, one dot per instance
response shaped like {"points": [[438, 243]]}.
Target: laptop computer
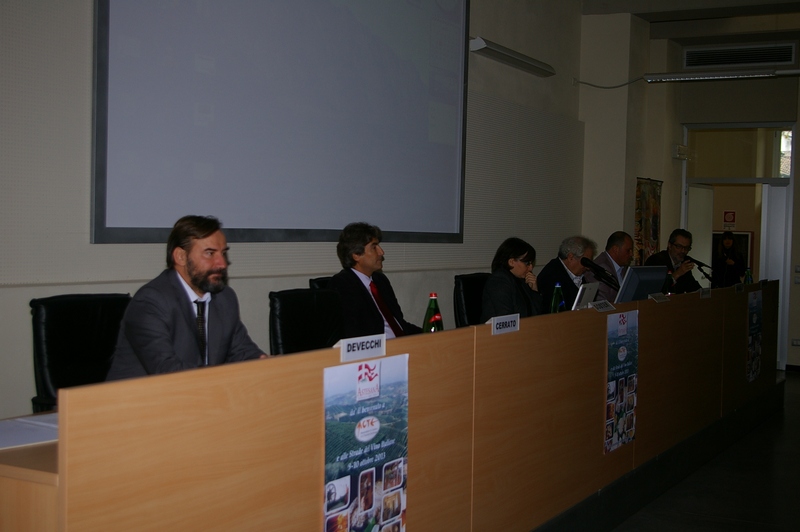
{"points": [[586, 294]]}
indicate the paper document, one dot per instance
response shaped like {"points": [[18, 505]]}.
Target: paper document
{"points": [[28, 430]]}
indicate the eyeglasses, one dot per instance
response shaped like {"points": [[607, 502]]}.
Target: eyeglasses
{"points": [[525, 262], [687, 249]]}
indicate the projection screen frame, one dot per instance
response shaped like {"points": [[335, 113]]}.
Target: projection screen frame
{"points": [[101, 233]]}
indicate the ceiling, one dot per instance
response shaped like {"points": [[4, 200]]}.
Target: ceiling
{"points": [[709, 22]]}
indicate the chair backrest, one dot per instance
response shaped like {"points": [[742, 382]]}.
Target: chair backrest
{"points": [[303, 319], [468, 298], [74, 337], [319, 282]]}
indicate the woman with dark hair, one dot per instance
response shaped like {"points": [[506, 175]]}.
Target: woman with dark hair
{"points": [[512, 289], [728, 265]]}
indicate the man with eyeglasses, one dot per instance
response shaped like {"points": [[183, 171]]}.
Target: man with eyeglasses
{"points": [[680, 278]]}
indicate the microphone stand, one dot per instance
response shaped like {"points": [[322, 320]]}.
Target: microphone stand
{"points": [[700, 268], [603, 276], [600, 273], [605, 279]]}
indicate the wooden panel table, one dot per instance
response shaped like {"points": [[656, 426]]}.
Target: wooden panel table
{"points": [[242, 446], [505, 432], [29, 488], [738, 391], [539, 420], [680, 370]]}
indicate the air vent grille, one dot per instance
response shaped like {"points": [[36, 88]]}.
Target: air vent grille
{"points": [[770, 54]]}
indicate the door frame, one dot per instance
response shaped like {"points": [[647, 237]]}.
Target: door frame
{"points": [[775, 260]]}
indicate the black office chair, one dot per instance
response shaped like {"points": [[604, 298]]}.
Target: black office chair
{"points": [[303, 319], [468, 298], [319, 282], [74, 337]]}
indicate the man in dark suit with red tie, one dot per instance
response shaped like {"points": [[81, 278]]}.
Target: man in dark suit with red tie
{"points": [[369, 305]]}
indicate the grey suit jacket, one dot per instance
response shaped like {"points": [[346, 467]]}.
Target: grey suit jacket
{"points": [[158, 333], [605, 291]]}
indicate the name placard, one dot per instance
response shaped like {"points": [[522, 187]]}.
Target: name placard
{"points": [[352, 349], [658, 297], [602, 306], [505, 324]]}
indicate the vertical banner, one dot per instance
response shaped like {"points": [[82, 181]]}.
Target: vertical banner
{"points": [[622, 332], [754, 315], [647, 222], [366, 446]]}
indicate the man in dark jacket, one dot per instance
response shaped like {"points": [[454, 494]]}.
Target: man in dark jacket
{"points": [[369, 305], [566, 270], [679, 270]]}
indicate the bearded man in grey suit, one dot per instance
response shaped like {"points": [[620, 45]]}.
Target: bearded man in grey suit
{"points": [[187, 317], [615, 259]]}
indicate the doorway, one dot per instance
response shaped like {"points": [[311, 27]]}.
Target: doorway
{"points": [[742, 176]]}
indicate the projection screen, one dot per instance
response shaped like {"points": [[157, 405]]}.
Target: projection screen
{"points": [[286, 119]]}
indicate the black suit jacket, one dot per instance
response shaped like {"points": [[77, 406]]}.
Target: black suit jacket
{"points": [[552, 273], [506, 294], [685, 283], [158, 333], [724, 274], [360, 314]]}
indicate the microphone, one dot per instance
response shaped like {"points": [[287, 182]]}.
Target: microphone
{"points": [[601, 273], [701, 264]]}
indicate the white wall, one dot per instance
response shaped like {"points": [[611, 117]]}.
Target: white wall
{"points": [[605, 52], [45, 176]]}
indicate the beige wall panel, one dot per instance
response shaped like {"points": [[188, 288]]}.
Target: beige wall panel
{"points": [[734, 101], [547, 31], [663, 131], [539, 420], [605, 60], [680, 371], [723, 153]]}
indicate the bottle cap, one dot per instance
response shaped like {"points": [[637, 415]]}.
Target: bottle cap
{"points": [[433, 294]]}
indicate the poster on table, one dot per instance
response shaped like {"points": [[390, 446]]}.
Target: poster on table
{"points": [[754, 316], [622, 332], [366, 446]]}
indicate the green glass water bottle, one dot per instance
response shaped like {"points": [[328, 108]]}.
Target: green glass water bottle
{"points": [[748, 276], [557, 303], [433, 318]]}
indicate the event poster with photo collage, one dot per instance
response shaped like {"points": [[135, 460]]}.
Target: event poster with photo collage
{"points": [[754, 317], [623, 361], [366, 446]]}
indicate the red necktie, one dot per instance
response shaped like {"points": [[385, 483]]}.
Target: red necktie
{"points": [[387, 314]]}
